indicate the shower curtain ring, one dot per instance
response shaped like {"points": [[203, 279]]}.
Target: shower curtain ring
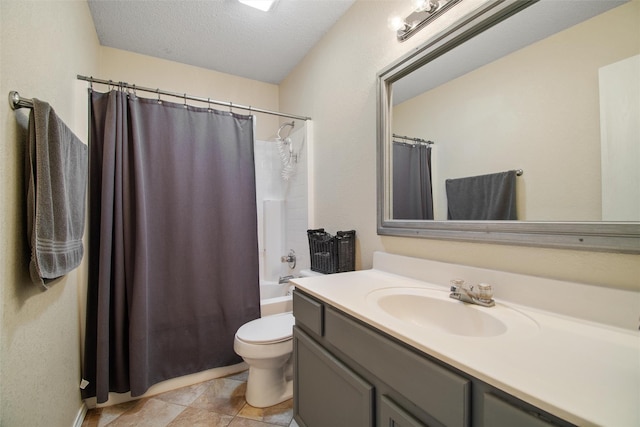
{"points": [[185, 100], [209, 104], [91, 83], [158, 92], [230, 107]]}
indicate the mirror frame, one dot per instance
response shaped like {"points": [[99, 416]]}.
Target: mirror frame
{"points": [[622, 237]]}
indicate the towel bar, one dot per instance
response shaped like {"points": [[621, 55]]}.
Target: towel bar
{"points": [[16, 101]]}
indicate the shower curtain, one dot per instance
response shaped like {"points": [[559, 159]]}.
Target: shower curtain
{"points": [[412, 193], [173, 269]]}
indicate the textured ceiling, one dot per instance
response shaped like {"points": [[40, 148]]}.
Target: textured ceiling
{"points": [[220, 35]]}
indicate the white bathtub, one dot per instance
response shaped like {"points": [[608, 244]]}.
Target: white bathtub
{"points": [[275, 298]]}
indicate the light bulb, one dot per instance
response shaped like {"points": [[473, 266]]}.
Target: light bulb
{"points": [[429, 6], [396, 23]]}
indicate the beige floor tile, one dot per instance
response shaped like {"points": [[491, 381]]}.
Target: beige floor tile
{"points": [[222, 395], [280, 414], [100, 417], [183, 396], [246, 422], [92, 418], [148, 413], [194, 417]]}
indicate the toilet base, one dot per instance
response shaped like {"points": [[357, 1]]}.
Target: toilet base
{"points": [[268, 387]]}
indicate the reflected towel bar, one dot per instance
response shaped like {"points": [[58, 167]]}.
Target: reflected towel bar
{"points": [[16, 101], [415, 140]]}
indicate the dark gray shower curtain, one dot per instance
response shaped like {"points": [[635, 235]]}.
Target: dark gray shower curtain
{"points": [[412, 191], [173, 241]]}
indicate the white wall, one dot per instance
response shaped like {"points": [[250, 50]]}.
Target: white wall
{"points": [[336, 85], [43, 44], [619, 123]]}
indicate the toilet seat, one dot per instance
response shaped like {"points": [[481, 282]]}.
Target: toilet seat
{"points": [[267, 330]]}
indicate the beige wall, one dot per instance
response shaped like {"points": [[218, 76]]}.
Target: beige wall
{"points": [[537, 110], [147, 71], [43, 45], [336, 86]]}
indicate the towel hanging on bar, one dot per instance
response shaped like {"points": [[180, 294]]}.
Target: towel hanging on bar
{"points": [[56, 164]]}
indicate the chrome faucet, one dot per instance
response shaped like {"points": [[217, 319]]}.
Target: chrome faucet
{"points": [[481, 294]]}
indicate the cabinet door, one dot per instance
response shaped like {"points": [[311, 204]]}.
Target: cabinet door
{"points": [[326, 392], [499, 413], [392, 415]]}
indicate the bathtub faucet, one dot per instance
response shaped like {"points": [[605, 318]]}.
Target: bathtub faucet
{"points": [[284, 279], [481, 294]]}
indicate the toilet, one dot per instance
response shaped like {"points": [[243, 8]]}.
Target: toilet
{"points": [[266, 345]]}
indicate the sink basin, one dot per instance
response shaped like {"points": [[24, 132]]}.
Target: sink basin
{"points": [[433, 309]]}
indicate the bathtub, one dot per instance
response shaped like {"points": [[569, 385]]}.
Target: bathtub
{"points": [[275, 298]]}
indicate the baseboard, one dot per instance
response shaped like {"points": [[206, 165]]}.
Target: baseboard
{"points": [[82, 412]]}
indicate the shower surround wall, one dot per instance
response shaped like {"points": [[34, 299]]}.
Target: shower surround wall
{"points": [[282, 207]]}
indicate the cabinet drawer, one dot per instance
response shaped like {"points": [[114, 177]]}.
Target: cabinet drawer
{"points": [[497, 412], [308, 313], [441, 393], [326, 392]]}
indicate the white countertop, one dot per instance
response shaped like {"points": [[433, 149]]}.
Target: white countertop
{"points": [[584, 372]]}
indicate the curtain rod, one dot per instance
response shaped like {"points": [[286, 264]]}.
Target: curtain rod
{"points": [[190, 97]]}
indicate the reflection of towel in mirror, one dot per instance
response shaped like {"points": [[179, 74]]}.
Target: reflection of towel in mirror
{"points": [[56, 168], [483, 197]]}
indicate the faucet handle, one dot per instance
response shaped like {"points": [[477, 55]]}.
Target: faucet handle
{"points": [[456, 284], [485, 292]]}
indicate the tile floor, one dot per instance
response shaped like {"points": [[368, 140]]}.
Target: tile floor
{"points": [[215, 403]]}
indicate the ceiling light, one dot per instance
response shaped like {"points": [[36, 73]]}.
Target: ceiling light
{"points": [[424, 11], [264, 5]]}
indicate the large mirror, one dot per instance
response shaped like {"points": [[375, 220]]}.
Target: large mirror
{"points": [[526, 112]]}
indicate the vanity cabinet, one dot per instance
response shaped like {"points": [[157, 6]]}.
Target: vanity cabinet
{"points": [[328, 392], [348, 374]]}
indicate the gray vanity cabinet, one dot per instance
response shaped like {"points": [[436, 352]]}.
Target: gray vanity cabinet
{"points": [[328, 393], [498, 412], [348, 374], [392, 415]]}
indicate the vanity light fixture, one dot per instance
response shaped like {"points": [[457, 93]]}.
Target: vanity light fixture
{"points": [[263, 5], [424, 11]]}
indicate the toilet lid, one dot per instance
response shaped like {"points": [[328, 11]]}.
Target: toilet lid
{"points": [[268, 329]]}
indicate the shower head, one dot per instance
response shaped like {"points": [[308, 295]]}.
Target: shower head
{"points": [[287, 155], [292, 124]]}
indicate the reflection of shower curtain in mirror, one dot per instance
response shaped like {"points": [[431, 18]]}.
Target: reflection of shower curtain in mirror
{"points": [[412, 195], [173, 269]]}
